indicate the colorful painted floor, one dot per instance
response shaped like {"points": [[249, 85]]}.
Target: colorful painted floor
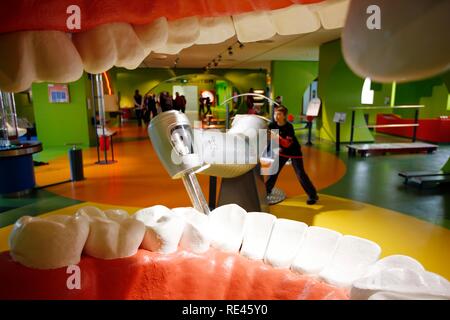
{"points": [[363, 197]]}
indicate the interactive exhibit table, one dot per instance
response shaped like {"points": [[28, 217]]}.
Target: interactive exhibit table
{"points": [[364, 149]]}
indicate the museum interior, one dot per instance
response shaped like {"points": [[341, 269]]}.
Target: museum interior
{"points": [[135, 144]]}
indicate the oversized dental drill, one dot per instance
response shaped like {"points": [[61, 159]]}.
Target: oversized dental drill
{"points": [[172, 137]]}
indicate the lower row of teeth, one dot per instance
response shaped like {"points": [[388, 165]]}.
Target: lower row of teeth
{"points": [[342, 260]]}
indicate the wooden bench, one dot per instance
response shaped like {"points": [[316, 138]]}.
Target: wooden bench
{"points": [[365, 149], [425, 177]]}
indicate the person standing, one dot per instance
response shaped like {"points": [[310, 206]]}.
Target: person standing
{"points": [[138, 106], [146, 109], [250, 101], [290, 149], [178, 102], [183, 104], [208, 106], [152, 105], [201, 107]]}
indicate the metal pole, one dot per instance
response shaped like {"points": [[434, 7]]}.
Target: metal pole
{"points": [[227, 118], [416, 121], [195, 192], [95, 114], [101, 107], [338, 137], [352, 129], [13, 114]]}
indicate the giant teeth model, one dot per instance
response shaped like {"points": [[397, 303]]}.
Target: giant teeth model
{"points": [[48, 243], [252, 256], [112, 234]]}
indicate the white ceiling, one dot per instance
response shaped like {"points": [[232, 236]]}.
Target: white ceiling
{"points": [[252, 55]]}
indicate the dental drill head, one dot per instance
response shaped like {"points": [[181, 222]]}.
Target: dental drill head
{"points": [[173, 140]]}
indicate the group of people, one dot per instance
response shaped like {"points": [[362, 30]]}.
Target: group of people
{"points": [[150, 105]]}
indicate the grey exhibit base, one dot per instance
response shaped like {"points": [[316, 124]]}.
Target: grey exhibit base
{"points": [[247, 190]]}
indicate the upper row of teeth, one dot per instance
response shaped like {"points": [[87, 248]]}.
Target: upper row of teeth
{"points": [[342, 260], [54, 56]]}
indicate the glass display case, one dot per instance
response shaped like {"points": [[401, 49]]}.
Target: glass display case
{"points": [[8, 120]]}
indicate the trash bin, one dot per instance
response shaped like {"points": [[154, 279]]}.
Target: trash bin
{"points": [[76, 163]]}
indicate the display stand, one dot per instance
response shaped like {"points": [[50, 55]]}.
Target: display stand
{"points": [[247, 191], [339, 117], [311, 113], [383, 148], [97, 93]]}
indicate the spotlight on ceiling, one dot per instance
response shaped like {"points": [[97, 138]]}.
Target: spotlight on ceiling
{"points": [[241, 45], [230, 51]]}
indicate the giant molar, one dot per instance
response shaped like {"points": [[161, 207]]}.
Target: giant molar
{"points": [[163, 229], [114, 44], [400, 277], [36, 56], [112, 234], [48, 243]]}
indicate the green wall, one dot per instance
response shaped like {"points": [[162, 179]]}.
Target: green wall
{"points": [[126, 81], [290, 79], [432, 92], [60, 123], [340, 90]]}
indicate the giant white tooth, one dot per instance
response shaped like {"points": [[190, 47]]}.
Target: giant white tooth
{"points": [[350, 261], [396, 261], [215, 30], [55, 57], [34, 56], [401, 275], [258, 227], [107, 45], [332, 13], [285, 241], [112, 235], [296, 19], [117, 214], [196, 236], [253, 26], [227, 227], [316, 250], [417, 283], [48, 243], [163, 229], [182, 34], [16, 61], [153, 35], [411, 44]]}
